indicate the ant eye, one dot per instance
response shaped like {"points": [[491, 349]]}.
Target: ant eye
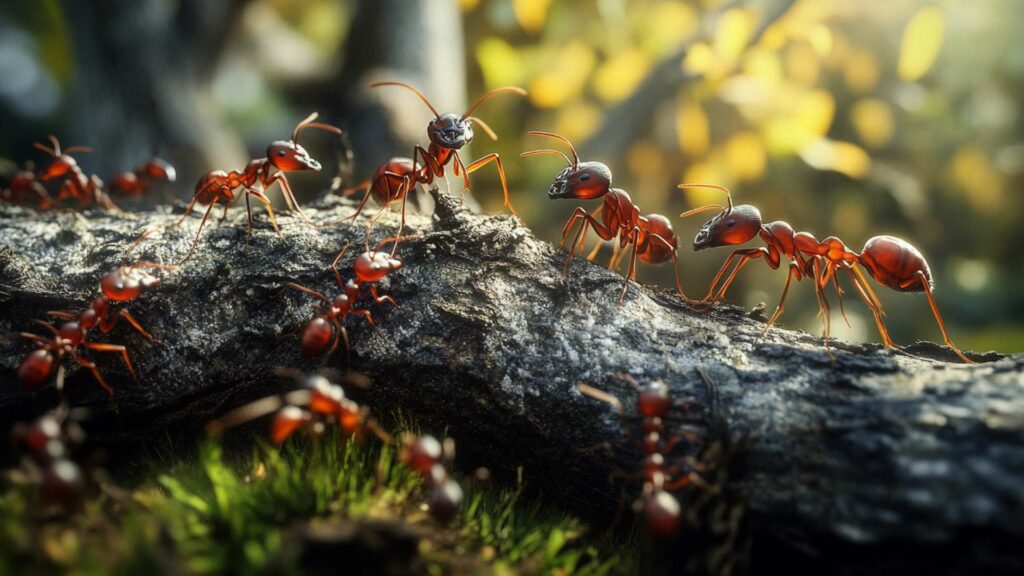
{"points": [[585, 176], [281, 153], [730, 222]]}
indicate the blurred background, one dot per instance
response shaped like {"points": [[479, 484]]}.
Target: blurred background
{"points": [[853, 119]]}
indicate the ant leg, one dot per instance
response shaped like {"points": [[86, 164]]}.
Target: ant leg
{"points": [[309, 291], [465, 177], [493, 157], [95, 373], [365, 314], [198, 232], [381, 299], [188, 210], [243, 414], [938, 317], [631, 275], [224, 215], [745, 256], [407, 184], [270, 210], [62, 314], [830, 274], [675, 262], [115, 348], [334, 265], [794, 272], [345, 192], [597, 247], [823, 307], [875, 307], [31, 336], [135, 324], [248, 218], [289, 196], [49, 327]]}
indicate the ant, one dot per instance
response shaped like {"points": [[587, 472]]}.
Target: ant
{"points": [[282, 155], [50, 443], [121, 285], [313, 407], [137, 182], [651, 236], [431, 460], [660, 509], [76, 184], [891, 261], [448, 133], [370, 267], [23, 185]]}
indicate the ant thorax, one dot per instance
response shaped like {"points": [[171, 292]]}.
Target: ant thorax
{"points": [[450, 131]]}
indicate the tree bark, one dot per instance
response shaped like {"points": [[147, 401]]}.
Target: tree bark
{"points": [[874, 460]]}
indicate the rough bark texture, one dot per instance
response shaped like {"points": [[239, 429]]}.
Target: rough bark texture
{"points": [[874, 460]]}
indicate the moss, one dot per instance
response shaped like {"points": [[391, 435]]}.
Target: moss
{"points": [[266, 510]]}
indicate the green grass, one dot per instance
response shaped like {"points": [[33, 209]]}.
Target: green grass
{"points": [[217, 515]]}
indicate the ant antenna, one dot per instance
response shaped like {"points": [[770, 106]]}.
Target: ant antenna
{"points": [[547, 151], [413, 90], [483, 126], [482, 99], [308, 123], [709, 206], [575, 156]]}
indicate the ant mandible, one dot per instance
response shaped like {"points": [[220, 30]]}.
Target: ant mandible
{"points": [[283, 156], [142, 178], [370, 267], [660, 509], [448, 133], [76, 185], [651, 236], [24, 185], [891, 261]]}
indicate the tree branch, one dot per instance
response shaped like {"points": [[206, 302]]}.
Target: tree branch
{"points": [[876, 460]]}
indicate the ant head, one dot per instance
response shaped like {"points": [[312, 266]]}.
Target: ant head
{"points": [[653, 400], [580, 180], [158, 169], [288, 156], [450, 131], [372, 265], [62, 160], [733, 225], [585, 181], [729, 228]]}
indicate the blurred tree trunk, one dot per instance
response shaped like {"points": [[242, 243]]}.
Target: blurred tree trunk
{"points": [[142, 68], [415, 41]]}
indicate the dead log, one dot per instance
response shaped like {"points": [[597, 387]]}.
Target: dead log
{"points": [[874, 460]]}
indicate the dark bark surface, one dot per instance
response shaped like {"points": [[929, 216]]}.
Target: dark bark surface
{"points": [[872, 460]]}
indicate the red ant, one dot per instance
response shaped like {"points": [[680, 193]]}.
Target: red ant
{"points": [[651, 236], [139, 180], [123, 284], [891, 261], [428, 457], [50, 442], [370, 267], [448, 133], [24, 185], [311, 408], [283, 156], [660, 509], [76, 184]]}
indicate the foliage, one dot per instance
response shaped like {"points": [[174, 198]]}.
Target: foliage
{"points": [[218, 515]]}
